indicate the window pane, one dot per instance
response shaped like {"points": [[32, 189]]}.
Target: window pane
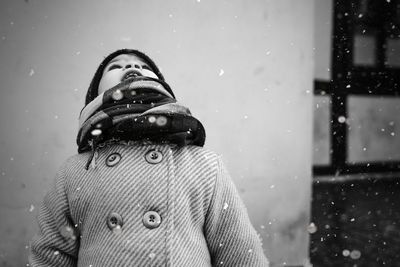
{"points": [[365, 10], [393, 52], [322, 136], [323, 39], [374, 129], [364, 49]]}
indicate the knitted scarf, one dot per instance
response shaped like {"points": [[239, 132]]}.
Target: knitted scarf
{"points": [[137, 109]]}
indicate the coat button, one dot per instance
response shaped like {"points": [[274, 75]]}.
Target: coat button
{"points": [[154, 156], [113, 159], [114, 220], [151, 219]]}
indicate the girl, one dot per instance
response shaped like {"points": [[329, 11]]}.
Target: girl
{"points": [[142, 191]]}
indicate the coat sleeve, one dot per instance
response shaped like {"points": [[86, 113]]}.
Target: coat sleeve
{"points": [[231, 238], [57, 242]]}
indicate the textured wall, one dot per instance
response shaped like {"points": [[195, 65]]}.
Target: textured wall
{"points": [[245, 69]]}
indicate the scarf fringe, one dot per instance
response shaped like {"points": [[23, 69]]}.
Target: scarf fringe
{"points": [[93, 155]]}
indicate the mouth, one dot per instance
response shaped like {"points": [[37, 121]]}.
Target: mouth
{"points": [[131, 74]]}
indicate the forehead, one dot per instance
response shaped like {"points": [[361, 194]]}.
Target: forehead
{"points": [[126, 57]]}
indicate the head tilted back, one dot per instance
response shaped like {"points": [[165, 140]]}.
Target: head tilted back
{"points": [[94, 85]]}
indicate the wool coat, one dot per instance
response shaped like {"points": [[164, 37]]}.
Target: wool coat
{"points": [[145, 205]]}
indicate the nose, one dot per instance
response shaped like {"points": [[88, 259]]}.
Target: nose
{"points": [[132, 65]]}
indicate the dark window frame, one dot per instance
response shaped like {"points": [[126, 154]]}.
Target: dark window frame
{"points": [[379, 80]]}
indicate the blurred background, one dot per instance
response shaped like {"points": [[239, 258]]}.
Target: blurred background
{"points": [[356, 144], [299, 97]]}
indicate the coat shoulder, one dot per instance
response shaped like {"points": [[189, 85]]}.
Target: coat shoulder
{"points": [[201, 151], [199, 156], [197, 166], [73, 168], [75, 162]]}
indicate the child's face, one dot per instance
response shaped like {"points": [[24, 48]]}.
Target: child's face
{"points": [[123, 67]]}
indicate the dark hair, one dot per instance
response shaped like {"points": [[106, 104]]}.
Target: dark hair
{"points": [[94, 84]]}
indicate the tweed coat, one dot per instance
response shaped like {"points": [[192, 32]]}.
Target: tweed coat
{"points": [[145, 205]]}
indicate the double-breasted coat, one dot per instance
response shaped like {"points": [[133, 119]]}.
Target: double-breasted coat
{"points": [[145, 205]]}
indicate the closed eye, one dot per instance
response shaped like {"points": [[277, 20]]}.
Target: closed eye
{"points": [[114, 66], [146, 67]]}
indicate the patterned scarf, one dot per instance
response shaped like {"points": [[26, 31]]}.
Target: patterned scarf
{"points": [[138, 109]]}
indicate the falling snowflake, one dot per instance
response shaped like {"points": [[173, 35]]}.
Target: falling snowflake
{"points": [[355, 254], [225, 206], [126, 39], [117, 95], [312, 228], [117, 229], [152, 119], [221, 72], [152, 255], [31, 72], [67, 232], [31, 208], [342, 119], [346, 252], [96, 132]]}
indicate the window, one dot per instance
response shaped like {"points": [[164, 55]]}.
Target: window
{"points": [[362, 98], [355, 204]]}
